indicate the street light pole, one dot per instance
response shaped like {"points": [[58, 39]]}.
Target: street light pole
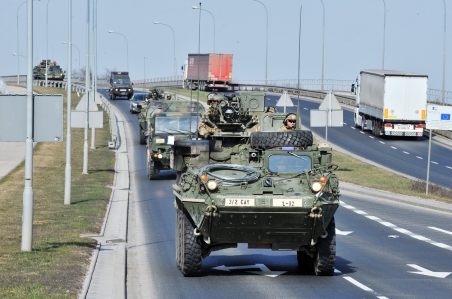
{"points": [[47, 37], [87, 93], [323, 42], [127, 44], [444, 55], [266, 43], [17, 18], [68, 169], [195, 7], [384, 35], [298, 84], [78, 52], [174, 43]]}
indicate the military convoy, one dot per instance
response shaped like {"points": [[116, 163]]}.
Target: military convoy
{"points": [[120, 85], [54, 71], [247, 182]]}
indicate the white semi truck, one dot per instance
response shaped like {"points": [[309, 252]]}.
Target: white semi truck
{"points": [[391, 103]]}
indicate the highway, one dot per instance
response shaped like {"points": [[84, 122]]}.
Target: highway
{"points": [[407, 156], [385, 249]]}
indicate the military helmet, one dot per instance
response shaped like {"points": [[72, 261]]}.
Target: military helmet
{"points": [[271, 109], [290, 116]]}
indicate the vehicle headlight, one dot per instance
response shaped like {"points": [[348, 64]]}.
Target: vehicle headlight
{"points": [[316, 187], [159, 156], [212, 185]]}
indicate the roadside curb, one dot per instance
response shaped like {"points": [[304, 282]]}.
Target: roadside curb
{"points": [[411, 200], [106, 277]]}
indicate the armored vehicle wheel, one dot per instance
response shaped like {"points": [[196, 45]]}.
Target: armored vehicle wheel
{"points": [[113, 96], [190, 248], [325, 258], [178, 236], [142, 136], [264, 140], [305, 262]]}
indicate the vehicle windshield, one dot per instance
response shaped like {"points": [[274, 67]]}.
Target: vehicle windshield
{"points": [[138, 97], [288, 163], [118, 79], [176, 125]]}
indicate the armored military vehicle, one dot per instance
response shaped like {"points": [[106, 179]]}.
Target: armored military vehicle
{"points": [[55, 72], [267, 188]]}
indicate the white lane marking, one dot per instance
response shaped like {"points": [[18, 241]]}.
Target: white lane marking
{"points": [[353, 128], [345, 123], [347, 206], [337, 271], [440, 230], [358, 284], [264, 270], [305, 108], [406, 152], [404, 231], [393, 147], [362, 132], [426, 272], [449, 167], [434, 162], [382, 142], [371, 137], [419, 157], [360, 212], [339, 232]]}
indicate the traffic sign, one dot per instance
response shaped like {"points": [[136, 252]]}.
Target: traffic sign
{"points": [[284, 101], [438, 117]]}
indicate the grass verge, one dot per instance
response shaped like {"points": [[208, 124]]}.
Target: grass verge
{"points": [[57, 265]]}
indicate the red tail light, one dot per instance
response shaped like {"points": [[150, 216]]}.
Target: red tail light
{"points": [[388, 125], [419, 126]]}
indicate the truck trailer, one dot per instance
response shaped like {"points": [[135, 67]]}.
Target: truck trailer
{"points": [[391, 103], [214, 71]]}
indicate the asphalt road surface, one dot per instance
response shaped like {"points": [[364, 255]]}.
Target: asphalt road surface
{"points": [[385, 249]]}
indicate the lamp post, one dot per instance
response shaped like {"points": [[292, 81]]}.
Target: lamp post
{"points": [[17, 19], [444, 55], [78, 54], [384, 34], [195, 7], [127, 43], [47, 37], [298, 83], [266, 43], [174, 43], [323, 41]]}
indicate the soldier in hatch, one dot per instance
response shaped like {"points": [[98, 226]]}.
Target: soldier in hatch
{"points": [[206, 125], [290, 122]]}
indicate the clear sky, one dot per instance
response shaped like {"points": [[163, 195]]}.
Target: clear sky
{"points": [[353, 36]]}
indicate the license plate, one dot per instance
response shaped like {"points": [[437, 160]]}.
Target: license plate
{"points": [[287, 203], [404, 127], [239, 202], [123, 90]]}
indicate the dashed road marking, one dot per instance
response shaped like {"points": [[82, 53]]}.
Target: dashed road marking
{"points": [[399, 229], [419, 157], [393, 147], [449, 167], [440, 230], [382, 142], [406, 152], [360, 285], [362, 132], [371, 137], [434, 162]]}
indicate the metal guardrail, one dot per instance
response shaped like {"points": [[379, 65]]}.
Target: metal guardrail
{"points": [[112, 144]]}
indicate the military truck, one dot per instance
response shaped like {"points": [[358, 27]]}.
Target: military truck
{"points": [[168, 127], [120, 85], [267, 188], [55, 72]]}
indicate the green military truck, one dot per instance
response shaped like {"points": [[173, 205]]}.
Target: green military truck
{"points": [[167, 128], [246, 182], [54, 71], [120, 85]]}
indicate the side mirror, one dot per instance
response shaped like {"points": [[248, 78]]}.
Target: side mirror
{"points": [[132, 83]]}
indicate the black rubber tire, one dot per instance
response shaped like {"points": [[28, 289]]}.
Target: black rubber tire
{"points": [[305, 262], [142, 136], [264, 140], [113, 97], [153, 171], [191, 261], [325, 258], [178, 236]]}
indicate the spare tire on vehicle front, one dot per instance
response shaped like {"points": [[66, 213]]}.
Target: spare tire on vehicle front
{"points": [[264, 140]]}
